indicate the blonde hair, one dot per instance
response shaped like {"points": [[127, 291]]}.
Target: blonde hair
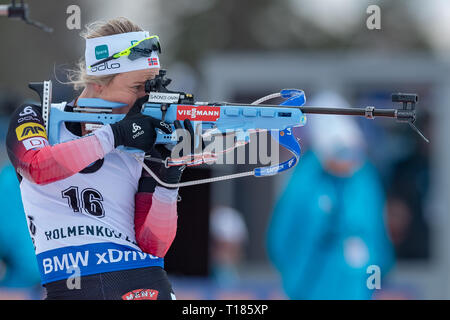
{"points": [[78, 77]]}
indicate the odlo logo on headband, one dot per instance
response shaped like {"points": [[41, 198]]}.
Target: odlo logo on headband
{"points": [[106, 65]]}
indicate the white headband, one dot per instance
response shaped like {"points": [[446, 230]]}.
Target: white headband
{"points": [[103, 47]]}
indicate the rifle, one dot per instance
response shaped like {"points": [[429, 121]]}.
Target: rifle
{"points": [[215, 119]]}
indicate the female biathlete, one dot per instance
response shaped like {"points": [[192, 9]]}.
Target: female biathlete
{"points": [[100, 227]]}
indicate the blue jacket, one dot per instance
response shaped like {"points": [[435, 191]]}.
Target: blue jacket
{"points": [[326, 231]]}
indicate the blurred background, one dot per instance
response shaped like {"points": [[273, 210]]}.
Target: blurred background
{"points": [[375, 194]]}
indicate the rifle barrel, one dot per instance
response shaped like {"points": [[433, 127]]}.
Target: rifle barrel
{"points": [[392, 113], [368, 112]]}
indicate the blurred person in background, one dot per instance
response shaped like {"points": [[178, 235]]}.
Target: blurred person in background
{"points": [[19, 274], [228, 237], [328, 226], [408, 191]]}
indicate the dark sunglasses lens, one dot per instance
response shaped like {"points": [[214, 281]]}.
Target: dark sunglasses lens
{"points": [[150, 45], [144, 49], [155, 45]]}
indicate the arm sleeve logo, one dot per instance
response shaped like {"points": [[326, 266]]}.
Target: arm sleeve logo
{"points": [[29, 130]]}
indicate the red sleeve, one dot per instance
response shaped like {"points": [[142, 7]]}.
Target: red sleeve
{"points": [[143, 203], [155, 224], [33, 157]]}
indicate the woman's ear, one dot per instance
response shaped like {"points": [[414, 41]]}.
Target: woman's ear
{"points": [[93, 90], [97, 88]]}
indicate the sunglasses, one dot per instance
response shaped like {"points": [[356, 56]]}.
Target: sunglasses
{"points": [[142, 48]]}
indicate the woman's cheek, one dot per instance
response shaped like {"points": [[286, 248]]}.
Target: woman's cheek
{"points": [[122, 96], [129, 101]]}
